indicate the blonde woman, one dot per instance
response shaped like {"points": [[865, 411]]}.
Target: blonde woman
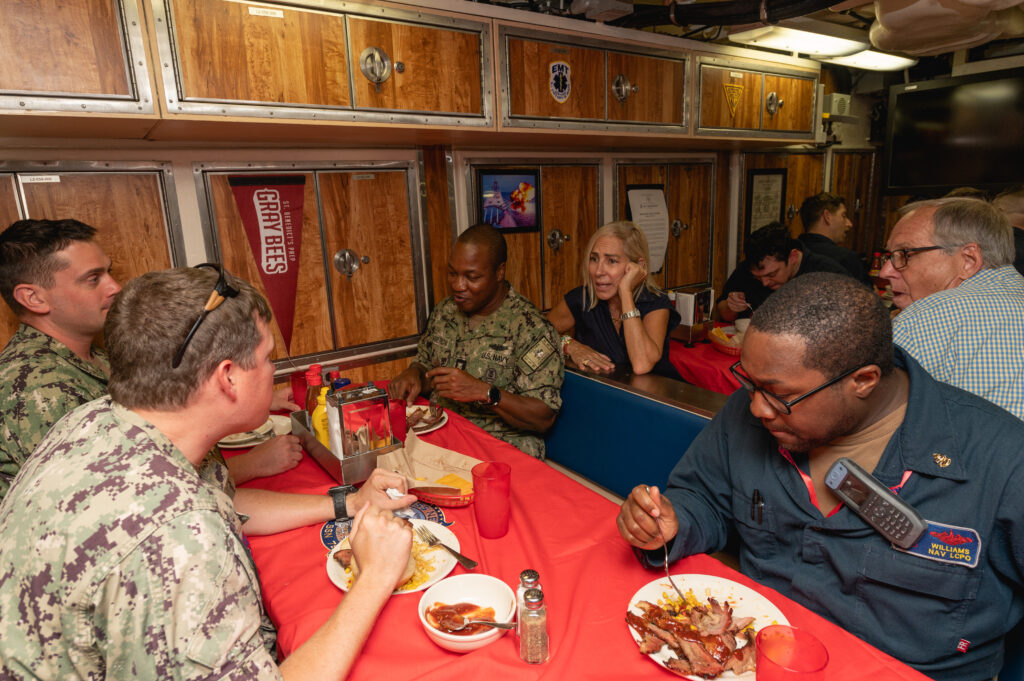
{"points": [[618, 317]]}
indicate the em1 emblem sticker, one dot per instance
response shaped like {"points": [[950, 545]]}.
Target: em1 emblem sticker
{"points": [[560, 80]]}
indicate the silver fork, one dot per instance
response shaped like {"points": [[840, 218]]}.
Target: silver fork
{"points": [[428, 538], [664, 545]]}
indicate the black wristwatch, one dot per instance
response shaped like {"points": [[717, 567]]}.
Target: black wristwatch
{"points": [[340, 494], [493, 397]]}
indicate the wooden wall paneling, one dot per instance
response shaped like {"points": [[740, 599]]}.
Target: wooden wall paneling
{"points": [[380, 371], [689, 201], [72, 47], [721, 266], [529, 75], [311, 329], [852, 178], [367, 212], [659, 89], [281, 55], [523, 269], [805, 177], [127, 210], [439, 219], [720, 85], [574, 213], [796, 109], [441, 71], [640, 174], [8, 215]]}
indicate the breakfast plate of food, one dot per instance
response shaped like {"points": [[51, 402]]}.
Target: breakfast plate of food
{"points": [[427, 564], [250, 437], [419, 419], [709, 635]]}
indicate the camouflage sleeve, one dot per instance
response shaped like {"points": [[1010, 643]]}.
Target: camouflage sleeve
{"points": [[540, 367], [41, 407], [185, 605], [424, 354]]}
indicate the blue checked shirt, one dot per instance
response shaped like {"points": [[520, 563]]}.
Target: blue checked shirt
{"points": [[972, 336]]}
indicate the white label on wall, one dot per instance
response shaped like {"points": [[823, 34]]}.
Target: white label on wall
{"points": [[735, 74], [363, 176], [266, 12], [39, 178]]}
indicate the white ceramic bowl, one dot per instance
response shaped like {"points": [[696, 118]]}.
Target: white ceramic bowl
{"points": [[482, 590], [742, 324]]}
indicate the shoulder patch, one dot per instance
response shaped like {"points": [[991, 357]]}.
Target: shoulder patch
{"points": [[538, 353]]}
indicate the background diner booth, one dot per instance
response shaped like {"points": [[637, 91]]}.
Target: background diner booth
{"points": [[373, 131]]}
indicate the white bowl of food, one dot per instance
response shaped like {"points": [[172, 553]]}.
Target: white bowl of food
{"points": [[490, 597], [742, 324]]}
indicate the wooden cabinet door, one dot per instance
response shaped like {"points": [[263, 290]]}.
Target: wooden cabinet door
{"points": [[852, 178], [653, 89], [8, 215], [730, 98], [640, 174], [368, 212], [251, 53], [689, 197], [796, 104], [63, 47], [530, 65], [805, 177], [440, 68], [311, 330], [574, 214]]}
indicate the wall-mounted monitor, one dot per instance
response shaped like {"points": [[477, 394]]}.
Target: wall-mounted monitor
{"points": [[956, 132]]}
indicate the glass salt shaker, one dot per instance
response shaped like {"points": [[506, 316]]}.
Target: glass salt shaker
{"points": [[528, 579], [533, 640]]}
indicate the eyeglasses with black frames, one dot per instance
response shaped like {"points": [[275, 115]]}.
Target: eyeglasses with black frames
{"points": [[221, 291], [774, 401], [901, 256]]}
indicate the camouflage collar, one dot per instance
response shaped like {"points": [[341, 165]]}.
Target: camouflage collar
{"points": [[29, 336]]}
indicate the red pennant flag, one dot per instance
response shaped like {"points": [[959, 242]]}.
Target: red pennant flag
{"points": [[271, 210]]}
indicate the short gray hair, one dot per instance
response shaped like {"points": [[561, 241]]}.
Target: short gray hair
{"points": [[960, 221]]}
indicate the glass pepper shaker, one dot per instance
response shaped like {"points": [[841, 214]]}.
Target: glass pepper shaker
{"points": [[528, 579], [533, 639]]}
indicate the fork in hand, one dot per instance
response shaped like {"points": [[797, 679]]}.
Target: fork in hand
{"points": [[664, 545], [428, 538]]}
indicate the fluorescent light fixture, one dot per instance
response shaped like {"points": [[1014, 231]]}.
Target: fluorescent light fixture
{"points": [[870, 60], [806, 36]]}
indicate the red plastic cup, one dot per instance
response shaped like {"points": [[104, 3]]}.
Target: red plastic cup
{"points": [[492, 486], [787, 653], [298, 379]]}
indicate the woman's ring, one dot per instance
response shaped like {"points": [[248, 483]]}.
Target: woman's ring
{"points": [[585, 362]]}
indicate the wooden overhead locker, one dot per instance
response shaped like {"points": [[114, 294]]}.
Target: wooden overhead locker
{"points": [[134, 223], [739, 98], [304, 61], [645, 89], [555, 80]]}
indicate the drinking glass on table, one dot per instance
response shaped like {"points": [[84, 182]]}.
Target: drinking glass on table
{"points": [[785, 652], [492, 485]]}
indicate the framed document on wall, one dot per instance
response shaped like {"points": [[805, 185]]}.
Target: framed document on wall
{"points": [[766, 198]]}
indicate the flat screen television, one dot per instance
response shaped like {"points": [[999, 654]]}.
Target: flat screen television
{"points": [[966, 131]]}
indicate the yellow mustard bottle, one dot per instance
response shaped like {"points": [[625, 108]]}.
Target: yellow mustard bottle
{"points": [[320, 418]]}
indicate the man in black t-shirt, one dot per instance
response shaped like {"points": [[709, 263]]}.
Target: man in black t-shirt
{"points": [[773, 257], [825, 225]]}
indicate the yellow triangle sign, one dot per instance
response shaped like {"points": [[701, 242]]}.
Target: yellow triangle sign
{"points": [[732, 96]]}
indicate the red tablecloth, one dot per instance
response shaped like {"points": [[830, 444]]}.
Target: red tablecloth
{"points": [[704, 366], [558, 527]]}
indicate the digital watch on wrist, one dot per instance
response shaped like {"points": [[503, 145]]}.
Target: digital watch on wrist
{"points": [[340, 494], [493, 397]]}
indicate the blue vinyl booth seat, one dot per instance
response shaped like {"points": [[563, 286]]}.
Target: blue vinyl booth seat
{"points": [[616, 438]]}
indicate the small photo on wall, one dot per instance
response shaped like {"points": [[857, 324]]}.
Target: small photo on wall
{"points": [[509, 198]]}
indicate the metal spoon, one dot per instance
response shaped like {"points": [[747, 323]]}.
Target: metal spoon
{"points": [[465, 623]]}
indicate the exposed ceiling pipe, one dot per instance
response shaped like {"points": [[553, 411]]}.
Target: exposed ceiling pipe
{"points": [[720, 13]]}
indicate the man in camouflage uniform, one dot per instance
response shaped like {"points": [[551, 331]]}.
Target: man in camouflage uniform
{"points": [[57, 280], [488, 353], [118, 559]]}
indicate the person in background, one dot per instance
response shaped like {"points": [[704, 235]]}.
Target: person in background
{"points": [[773, 257], [826, 223], [58, 281], [967, 193], [1011, 203], [487, 352], [822, 381], [618, 317], [949, 262], [121, 558]]}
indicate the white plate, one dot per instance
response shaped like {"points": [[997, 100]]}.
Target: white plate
{"points": [[420, 430], [444, 562], [745, 602], [282, 424], [248, 438]]}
